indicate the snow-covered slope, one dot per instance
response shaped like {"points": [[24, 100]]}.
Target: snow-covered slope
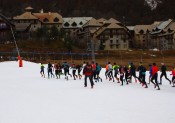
{"points": [[25, 97]]}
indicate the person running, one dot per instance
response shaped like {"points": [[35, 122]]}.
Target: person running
{"points": [[106, 71], [133, 72], [150, 73], [139, 69], [66, 67], [110, 72], [74, 68], [94, 71], [116, 71], [127, 74], [56, 67], [155, 75], [87, 71], [173, 78], [84, 64], [79, 68], [59, 70], [142, 74], [50, 67], [163, 70], [121, 70], [125, 69], [98, 69], [42, 70]]}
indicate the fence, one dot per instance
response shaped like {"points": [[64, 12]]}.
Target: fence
{"points": [[102, 57]]}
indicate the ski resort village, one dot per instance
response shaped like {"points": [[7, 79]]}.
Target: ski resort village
{"points": [[92, 61]]}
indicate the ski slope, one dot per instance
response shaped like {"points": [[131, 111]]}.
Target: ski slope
{"points": [[25, 97]]}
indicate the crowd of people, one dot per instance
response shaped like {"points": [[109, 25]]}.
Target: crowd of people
{"points": [[119, 73]]}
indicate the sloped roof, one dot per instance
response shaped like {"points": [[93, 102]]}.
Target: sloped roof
{"points": [[92, 31], [156, 23], [131, 28], [114, 26], [143, 28], [163, 25], [101, 20], [171, 26], [80, 21], [26, 15], [112, 20], [29, 8], [50, 16], [22, 26], [92, 22], [99, 31], [166, 33], [110, 26], [170, 29]]}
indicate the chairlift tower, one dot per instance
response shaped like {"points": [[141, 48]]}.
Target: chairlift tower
{"points": [[12, 31], [91, 47]]}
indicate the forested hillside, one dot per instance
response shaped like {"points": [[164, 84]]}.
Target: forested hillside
{"points": [[128, 11]]}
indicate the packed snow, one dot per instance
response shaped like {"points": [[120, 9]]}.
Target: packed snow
{"points": [[26, 97]]}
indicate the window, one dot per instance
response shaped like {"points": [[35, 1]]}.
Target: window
{"points": [[117, 46], [124, 41], [74, 24], [111, 34], [46, 20], [117, 41], [101, 36], [141, 31], [111, 46], [117, 32], [125, 46], [35, 22], [66, 24], [56, 19], [111, 41], [81, 23]]}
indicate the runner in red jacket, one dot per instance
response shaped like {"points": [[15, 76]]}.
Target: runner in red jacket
{"points": [[87, 71], [173, 78], [155, 75]]}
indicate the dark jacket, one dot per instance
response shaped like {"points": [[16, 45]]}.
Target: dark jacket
{"points": [[163, 68]]}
